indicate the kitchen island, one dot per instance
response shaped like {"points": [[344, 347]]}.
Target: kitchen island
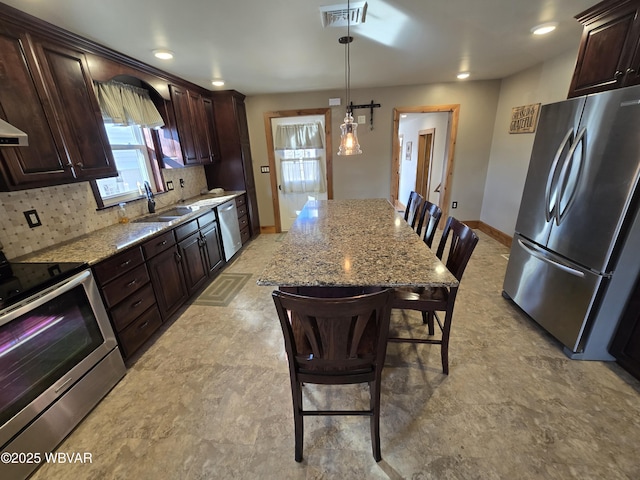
{"points": [[353, 243]]}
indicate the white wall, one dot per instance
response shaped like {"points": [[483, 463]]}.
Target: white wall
{"points": [[545, 83], [369, 174]]}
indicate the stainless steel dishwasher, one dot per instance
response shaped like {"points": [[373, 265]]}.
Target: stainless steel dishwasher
{"points": [[230, 228]]}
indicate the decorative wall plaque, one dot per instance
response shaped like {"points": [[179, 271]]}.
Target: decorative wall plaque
{"points": [[524, 119]]}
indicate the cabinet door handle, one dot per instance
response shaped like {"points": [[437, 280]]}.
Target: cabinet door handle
{"points": [[137, 304], [79, 164], [124, 264], [630, 70], [178, 257], [132, 282], [143, 325], [618, 74], [164, 242]]}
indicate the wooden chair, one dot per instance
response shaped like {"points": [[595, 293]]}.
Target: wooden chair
{"points": [[335, 341], [435, 212], [439, 299], [412, 209]]}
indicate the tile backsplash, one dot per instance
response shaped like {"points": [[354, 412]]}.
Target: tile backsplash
{"points": [[69, 211]]}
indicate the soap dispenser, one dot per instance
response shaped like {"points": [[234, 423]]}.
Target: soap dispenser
{"points": [[122, 213]]}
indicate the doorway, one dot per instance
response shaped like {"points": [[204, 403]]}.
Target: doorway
{"points": [[417, 168], [298, 172]]}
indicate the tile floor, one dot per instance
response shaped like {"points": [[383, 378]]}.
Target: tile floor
{"points": [[210, 399]]}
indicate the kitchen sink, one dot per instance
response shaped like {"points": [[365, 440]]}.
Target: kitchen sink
{"points": [[166, 216]]}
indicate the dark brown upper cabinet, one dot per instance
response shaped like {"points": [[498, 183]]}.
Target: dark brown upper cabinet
{"points": [[46, 91], [196, 126], [234, 171], [609, 53]]}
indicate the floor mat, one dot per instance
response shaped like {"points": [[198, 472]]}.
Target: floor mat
{"points": [[222, 290]]}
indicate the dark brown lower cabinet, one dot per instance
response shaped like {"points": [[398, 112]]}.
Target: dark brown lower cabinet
{"points": [[129, 298], [194, 261], [213, 248], [145, 285], [139, 331], [167, 278], [626, 342]]}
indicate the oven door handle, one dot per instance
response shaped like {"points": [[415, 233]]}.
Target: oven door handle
{"points": [[43, 297]]}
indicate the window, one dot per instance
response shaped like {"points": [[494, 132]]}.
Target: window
{"points": [[302, 171], [133, 164], [129, 114]]}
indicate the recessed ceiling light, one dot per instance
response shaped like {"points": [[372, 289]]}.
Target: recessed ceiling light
{"points": [[163, 54], [463, 75], [217, 83], [544, 28]]}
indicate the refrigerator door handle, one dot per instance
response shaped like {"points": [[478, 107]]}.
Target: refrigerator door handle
{"points": [[562, 180], [549, 210], [544, 256]]}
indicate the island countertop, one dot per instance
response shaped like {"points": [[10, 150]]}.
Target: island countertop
{"points": [[339, 243]]}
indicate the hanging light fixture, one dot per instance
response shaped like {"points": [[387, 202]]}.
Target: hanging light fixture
{"points": [[349, 136]]}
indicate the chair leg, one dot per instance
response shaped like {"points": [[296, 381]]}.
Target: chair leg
{"points": [[298, 421], [374, 392], [446, 330], [427, 318]]}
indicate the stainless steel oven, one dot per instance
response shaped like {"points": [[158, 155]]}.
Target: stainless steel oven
{"points": [[58, 359]]}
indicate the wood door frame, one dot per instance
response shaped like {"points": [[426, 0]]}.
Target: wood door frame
{"points": [[268, 116], [445, 191]]}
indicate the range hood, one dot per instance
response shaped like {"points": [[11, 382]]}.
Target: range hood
{"points": [[10, 136]]}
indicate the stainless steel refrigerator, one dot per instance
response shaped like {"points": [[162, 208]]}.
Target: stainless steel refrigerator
{"points": [[578, 208]]}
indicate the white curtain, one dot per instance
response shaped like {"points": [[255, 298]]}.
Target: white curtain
{"points": [[124, 104], [300, 135], [303, 175]]}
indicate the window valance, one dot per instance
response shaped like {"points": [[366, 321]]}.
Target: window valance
{"points": [[300, 135], [124, 104]]}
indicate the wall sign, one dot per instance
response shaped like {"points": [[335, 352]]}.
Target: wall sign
{"points": [[524, 119]]}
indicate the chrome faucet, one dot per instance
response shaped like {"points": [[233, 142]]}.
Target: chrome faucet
{"points": [[150, 201]]}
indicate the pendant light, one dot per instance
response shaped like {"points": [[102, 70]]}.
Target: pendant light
{"points": [[349, 136]]}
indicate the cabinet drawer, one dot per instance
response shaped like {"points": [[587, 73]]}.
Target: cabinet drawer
{"points": [[131, 307], [183, 231], [245, 235], [123, 286], [206, 219], [242, 211], [158, 244], [241, 200], [118, 265], [132, 337], [243, 222]]}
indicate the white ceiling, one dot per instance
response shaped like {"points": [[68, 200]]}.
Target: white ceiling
{"points": [[270, 46]]}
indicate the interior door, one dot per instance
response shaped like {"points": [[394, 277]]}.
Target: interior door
{"points": [[291, 203], [423, 174]]}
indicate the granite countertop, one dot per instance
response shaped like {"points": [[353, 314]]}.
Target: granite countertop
{"points": [[106, 242], [353, 243]]}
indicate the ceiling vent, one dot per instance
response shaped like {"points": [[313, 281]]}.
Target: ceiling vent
{"points": [[340, 15]]}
